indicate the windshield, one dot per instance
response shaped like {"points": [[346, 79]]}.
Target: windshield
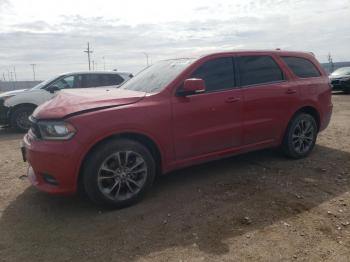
{"points": [[156, 77], [42, 84], [342, 71]]}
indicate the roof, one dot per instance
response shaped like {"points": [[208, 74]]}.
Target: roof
{"points": [[96, 72], [274, 51], [196, 55]]}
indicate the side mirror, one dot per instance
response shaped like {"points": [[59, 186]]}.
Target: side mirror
{"points": [[52, 89], [192, 86]]}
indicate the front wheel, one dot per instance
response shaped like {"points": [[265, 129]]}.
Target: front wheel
{"points": [[20, 118], [300, 137], [118, 173]]}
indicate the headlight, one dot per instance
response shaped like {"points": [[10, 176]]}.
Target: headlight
{"points": [[4, 98], [51, 130]]}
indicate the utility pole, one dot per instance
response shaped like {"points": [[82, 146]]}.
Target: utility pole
{"points": [[88, 51], [14, 71], [13, 82], [3, 75], [93, 65], [33, 66], [330, 61], [8, 75], [104, 63], [146, 58]]}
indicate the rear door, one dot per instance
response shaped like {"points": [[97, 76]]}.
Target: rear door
{"points": [[211, 121], [268, 98], [91, 80]]}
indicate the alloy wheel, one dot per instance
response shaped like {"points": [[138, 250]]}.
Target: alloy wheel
{"points": [[303, 136], [122, 175], [23, 120]]}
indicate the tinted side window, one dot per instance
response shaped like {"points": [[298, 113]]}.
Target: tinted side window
{"points": [[301, 67], [114, 80], [91, 80], [258, 70], [65, 82], [217, 74]]}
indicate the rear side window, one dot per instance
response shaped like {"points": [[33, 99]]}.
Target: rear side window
{"points": [[301, 67], [95, 80], [91, 80], [114, 79], [255, 70], [218, 74]]}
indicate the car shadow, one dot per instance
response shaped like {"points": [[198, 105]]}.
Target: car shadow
{"points": [[338, 93], [8, 134], [201, 206]]}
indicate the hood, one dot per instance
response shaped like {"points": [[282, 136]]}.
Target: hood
{"points": [[73, 101], [14, 92], [338, 76]]}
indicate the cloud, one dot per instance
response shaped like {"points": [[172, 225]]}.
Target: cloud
{"points": [[58, 46]]}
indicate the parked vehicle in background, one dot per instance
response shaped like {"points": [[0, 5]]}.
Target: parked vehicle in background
{"points": [[340, 79], [16, 106], [174, 114]]}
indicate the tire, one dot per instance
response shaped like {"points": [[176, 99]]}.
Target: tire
{"points": [[300, 137], [346, 90], [20, 118], [107, 175]]}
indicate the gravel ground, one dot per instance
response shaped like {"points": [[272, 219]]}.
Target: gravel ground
{"points": [[254, 207]]}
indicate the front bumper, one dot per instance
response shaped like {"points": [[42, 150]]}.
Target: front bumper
{"points": [[339, 84], [4, 113], [56, 160]]}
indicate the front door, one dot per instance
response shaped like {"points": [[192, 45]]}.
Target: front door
{"points": [[211, 121]]}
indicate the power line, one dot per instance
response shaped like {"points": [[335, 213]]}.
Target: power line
{"points": [[88, 51], [33, 66]]}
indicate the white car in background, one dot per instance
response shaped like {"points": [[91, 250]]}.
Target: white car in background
{"points": [[16, 106]]}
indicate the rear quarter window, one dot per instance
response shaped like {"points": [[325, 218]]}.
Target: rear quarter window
{"points": [[301, 67]]}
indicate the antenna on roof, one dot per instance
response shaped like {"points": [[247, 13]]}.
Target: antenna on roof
{"points": [[278, 49]]}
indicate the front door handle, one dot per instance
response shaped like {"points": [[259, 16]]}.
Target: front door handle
{"points": [[291, 91], [232, 99]]}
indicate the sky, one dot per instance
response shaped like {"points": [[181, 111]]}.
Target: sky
{"points": [[54, 34]]}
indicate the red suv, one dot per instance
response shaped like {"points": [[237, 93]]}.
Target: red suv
{"points": [[112, 142]]}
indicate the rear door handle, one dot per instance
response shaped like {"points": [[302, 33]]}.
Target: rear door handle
{"points": [[232, 99], [291, 91]]}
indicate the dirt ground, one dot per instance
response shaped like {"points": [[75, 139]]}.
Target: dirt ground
{"points": [[256, 207]]}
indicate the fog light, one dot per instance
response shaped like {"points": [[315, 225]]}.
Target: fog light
{"points": [[50, 179]]}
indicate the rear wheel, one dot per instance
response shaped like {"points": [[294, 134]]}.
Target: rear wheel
{"points": [[20, 118], [300, 137], [118, 173]]}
